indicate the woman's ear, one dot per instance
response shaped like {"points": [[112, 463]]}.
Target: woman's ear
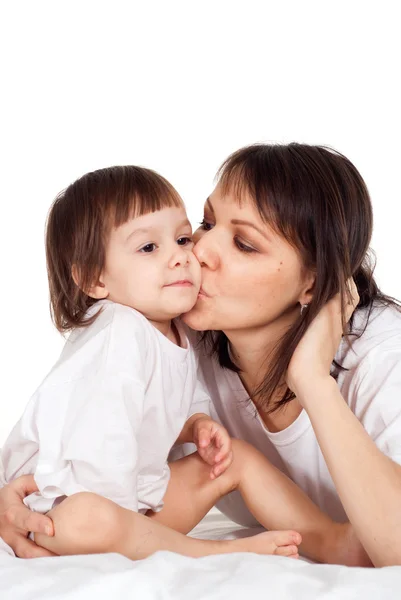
{"points": [[308, 288], [98, 290]]}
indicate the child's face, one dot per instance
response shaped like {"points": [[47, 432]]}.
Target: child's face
{"points": [[150, 265]]}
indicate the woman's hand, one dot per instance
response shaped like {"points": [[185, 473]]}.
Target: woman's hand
{"points": [[314, 354], [16, 520]]}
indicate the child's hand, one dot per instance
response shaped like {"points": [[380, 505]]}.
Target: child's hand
{"points": [[213, 444]]}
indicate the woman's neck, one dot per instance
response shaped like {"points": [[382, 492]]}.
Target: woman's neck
{"points": [[251, 358], [252, 350]]}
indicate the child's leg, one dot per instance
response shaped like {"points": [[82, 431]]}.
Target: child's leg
{"points": [[89, 524], [274, 500], [86, 523]]}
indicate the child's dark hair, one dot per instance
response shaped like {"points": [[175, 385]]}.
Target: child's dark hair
{"points": [[79, 223]]}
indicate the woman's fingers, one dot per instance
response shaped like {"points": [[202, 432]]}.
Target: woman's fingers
{"points": [[313, 356], [14, 515], [26, 548], [16, 520], [24, 485], [28, 520]]}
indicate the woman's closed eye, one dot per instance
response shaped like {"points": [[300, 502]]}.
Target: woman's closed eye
{"points": [[205, 225], [243, 247]]}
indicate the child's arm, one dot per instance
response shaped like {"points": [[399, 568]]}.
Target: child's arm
{"points": [[88, 431], [210, 437], [212, 442], [187, 433]]}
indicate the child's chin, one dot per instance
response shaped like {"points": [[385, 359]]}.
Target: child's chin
{"points": [[195, 321], [183, 307]]}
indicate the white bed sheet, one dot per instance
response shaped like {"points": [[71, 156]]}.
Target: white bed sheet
{"points": [[166, 576]]}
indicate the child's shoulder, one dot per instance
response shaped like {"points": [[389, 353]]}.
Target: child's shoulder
{"points": [[117, 340], [111, 315]]}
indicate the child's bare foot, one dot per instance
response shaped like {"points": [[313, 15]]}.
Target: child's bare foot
{"points": [[281, 543], [344, 548]]}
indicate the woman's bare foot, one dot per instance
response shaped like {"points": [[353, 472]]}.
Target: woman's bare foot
{"points": [[280, 543], [344, 548]]}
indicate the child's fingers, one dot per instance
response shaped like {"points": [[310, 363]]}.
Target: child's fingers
{"points": [[203, 437], [207, 455], [222, 466], [223, 444]]}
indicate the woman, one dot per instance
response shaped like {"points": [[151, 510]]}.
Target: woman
{"points": [[283, 231]]}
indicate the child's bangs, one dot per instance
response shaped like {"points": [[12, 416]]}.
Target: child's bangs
{"points": [[142, 191]]}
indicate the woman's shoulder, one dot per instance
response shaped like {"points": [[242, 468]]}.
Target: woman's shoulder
{"points": [[372, 381], [376, 334], [379, 325]]}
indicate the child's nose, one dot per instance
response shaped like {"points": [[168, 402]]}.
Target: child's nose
{"points": [[180, 257]]}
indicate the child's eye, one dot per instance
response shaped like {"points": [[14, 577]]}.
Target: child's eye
{"points": [[183, 241], [205, 225], [148, 248]]}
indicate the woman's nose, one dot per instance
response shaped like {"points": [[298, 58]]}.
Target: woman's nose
{"points": [[206, 253]]}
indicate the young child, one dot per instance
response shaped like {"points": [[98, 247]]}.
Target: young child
{"points": [[98, 431]]}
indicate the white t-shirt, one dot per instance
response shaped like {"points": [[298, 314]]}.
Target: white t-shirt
{"points": [[371, 387], [107, 415]]}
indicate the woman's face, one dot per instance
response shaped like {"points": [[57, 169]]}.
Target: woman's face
{"points": [[251, 276]]}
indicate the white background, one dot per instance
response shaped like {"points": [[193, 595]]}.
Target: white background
{"points": [[177, 86]]}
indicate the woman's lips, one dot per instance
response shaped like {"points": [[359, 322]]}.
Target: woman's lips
{"points": [[202, 294]]}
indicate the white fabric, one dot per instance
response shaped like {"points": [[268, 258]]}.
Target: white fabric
{"points": [[170, 576], [107, 415], [371, 387]]}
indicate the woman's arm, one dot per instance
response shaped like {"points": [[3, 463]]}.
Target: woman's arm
{"points": [[368, 482], [16, 520]]}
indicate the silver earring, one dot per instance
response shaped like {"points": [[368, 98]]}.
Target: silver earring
{"points": [[303, 307]]}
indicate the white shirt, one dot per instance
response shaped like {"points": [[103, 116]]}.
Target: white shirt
{"points": [[371, 387], [107, 415]]}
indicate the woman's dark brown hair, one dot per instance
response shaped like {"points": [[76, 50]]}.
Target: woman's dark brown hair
{"points": [[79, 223], [317, 200]]}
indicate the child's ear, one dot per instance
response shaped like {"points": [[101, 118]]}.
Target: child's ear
{"points": [[98, 290]]}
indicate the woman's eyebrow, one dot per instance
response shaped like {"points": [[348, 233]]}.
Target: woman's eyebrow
{"points": [[249, 224], [209, 205]]}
